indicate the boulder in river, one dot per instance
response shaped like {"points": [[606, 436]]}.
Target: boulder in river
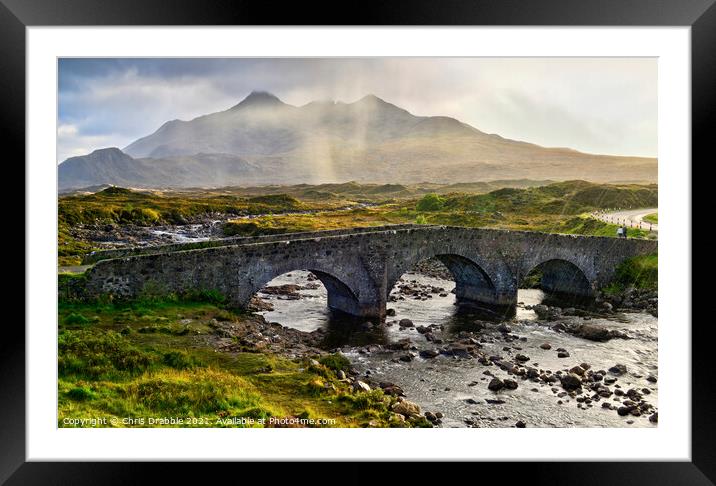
{"points": [[494, 402], [623, 411], [594, 332], [285, 289], [504, 328], [618, 369], [361, 386], [577, 370], [510, 384], [403, 344], [429, 353], [431, 417], [460, 351], [547, 313], [391, 389], [406, 323], [406, 408], [257, 304], [496, 384], [570, 382]]}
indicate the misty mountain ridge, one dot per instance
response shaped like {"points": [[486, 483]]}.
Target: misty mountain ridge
{"points": [[263, 140]]}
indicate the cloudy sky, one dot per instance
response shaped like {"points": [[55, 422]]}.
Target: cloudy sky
{"points": [[597, 105]]}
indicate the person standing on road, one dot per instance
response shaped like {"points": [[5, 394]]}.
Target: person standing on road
{"points": [[620, 232], [625, 232]]}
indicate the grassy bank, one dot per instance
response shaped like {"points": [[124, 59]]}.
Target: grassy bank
{"points": [[652, 218], [157, 358], [534, 209], [116, 205], [70, 250], [558, 207], [641, 272]]}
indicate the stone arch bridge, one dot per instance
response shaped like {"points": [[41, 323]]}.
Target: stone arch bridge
{"points": [[359, 266]]}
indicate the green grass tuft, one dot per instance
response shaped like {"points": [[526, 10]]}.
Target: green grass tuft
{"points": [[81, 394], [93, 355], [640, 272], [180, 360], [76, 320], [430, 202], [335, 362], [652, 218]]}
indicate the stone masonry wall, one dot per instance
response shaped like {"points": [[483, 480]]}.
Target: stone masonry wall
{"points": [[361, 267]]}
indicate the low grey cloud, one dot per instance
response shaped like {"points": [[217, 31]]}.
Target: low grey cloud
{"points": [[598, 105]]}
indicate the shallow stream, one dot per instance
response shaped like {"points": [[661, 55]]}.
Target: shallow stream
{"points": [[458, 387]]}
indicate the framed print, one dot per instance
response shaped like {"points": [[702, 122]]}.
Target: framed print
{"points": [[424, 234]]}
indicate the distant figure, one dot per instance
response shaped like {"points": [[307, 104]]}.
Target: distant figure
{"points": [[625, 232], [620, 232]]}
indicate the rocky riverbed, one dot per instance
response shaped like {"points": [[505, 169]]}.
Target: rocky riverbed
{"points": [[549, 366], [110, 236], [207, 226]]}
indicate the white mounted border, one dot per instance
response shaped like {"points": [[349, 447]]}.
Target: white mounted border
{"points": [[671, 440]]}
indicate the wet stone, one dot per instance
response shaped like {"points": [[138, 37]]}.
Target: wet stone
{"points": [[496, 384]]}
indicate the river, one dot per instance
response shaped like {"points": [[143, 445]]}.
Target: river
{"points": [[458, 387]]}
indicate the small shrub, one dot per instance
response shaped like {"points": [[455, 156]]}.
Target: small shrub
{"points": [[335, 362], [76, 320], [641, 272], [149, 216], [430, 202], [81, 394], [420, 422], [257, 413], [87, 354], [71, 286], [180, 360], [195, 392], [372, 400]]}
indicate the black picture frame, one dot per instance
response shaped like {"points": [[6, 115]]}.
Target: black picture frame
{"points": [[16, 15]]}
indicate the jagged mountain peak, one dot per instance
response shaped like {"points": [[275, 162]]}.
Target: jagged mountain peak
{"points": [[371, 98], [259, 98], [375, 101], [107, 151], [264, 140]]}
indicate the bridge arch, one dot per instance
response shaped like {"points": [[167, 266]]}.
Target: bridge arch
{"points": [[341, 288], [480, 281], [562, 276]]}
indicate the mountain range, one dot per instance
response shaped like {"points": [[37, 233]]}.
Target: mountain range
{"points": [[263, 140]]}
